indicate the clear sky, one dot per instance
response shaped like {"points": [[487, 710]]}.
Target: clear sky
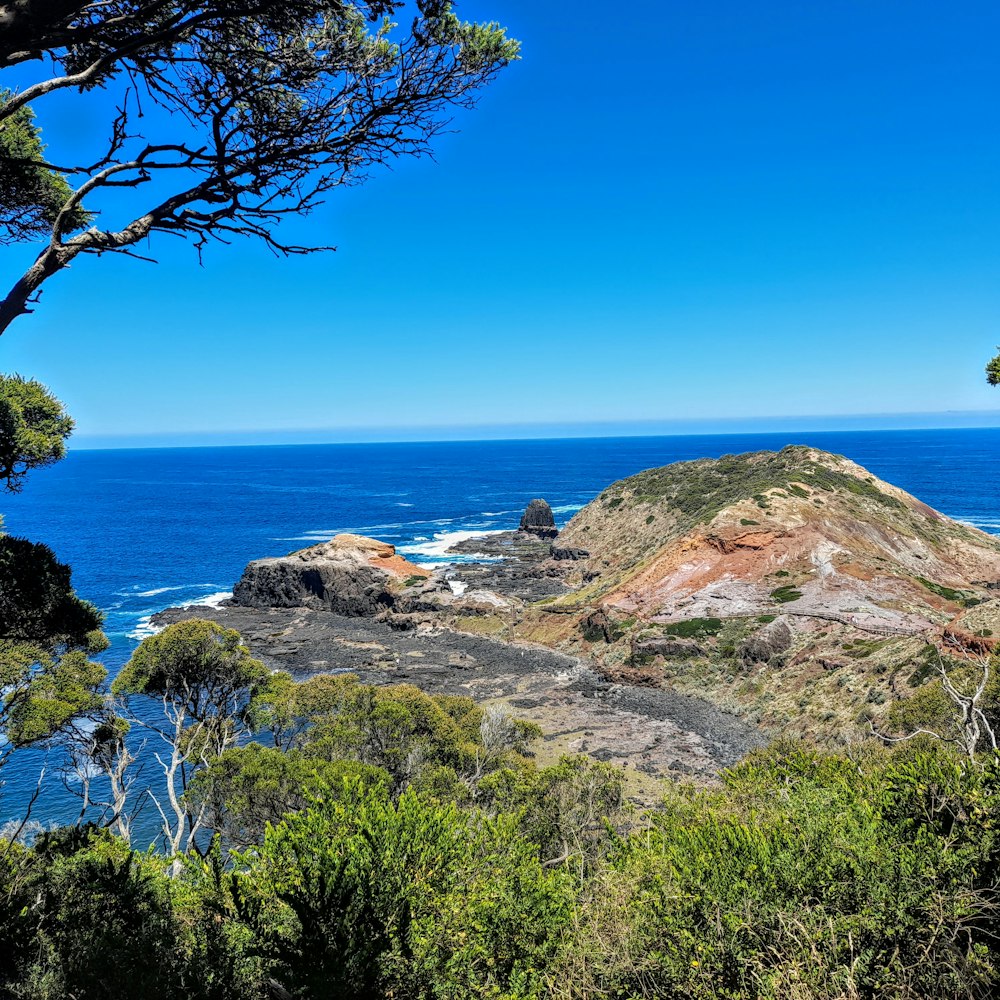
{"points": [[693, 212]]}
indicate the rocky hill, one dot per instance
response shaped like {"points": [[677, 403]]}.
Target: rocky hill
{"points": [[794, 583], [803, 530]]}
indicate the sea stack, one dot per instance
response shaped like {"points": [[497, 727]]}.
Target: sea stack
{"points": [[537, 520]]}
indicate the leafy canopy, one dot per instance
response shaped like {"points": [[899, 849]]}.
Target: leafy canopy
{"points": [[252, 110], [33, 424], [198, 665]]}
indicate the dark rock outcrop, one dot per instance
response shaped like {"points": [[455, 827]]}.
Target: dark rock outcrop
{"points": [[670, 648], [349, 575], [537, 520], [565, 552], [769, 642]]}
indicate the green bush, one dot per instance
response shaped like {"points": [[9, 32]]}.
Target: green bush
{"points": [[810, 875], [694, 628], [785, 594]]}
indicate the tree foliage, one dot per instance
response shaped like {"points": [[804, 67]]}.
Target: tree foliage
{"points": [[261, 109], [37, 601], [993, 370], [33, 425], [203, 669], [46, 679]]}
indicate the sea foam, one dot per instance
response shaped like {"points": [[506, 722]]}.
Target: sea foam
{"points": [[436, 548]]}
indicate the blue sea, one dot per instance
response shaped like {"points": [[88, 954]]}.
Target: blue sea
{"points": [[148, 529]]}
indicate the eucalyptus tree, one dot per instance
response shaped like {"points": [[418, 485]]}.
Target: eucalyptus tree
{"points": [[208, 685], [249, 111]]}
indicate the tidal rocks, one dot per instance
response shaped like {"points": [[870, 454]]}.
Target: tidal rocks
{"points": [[537, 520], [350, 575]]}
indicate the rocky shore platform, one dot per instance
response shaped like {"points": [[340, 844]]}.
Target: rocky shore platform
{"points": [[652, 733], [353, 605]]}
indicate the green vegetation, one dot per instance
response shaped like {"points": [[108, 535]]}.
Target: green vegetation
{"points": [[694, 628], [263, 84], [31, 197], [949, 593], [785, 594], [33, 425], [414, 581], [746, 522], [868, 872], [46, 631], [697, 491]]}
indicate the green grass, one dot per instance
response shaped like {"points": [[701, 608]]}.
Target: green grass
{"points": [[746, 522]]}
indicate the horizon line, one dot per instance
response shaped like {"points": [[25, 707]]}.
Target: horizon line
{"points": [[544, 430]]}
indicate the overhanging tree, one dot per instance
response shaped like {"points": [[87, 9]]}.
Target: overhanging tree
{"points": [[46, 679], [262, 108]]}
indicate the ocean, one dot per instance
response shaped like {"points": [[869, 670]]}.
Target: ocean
{"points": [[148, 529]]}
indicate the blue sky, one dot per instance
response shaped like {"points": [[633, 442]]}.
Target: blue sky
{"points": [[690, 214]]}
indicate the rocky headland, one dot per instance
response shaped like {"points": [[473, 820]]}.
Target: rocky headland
{"points": [[675, 622]]}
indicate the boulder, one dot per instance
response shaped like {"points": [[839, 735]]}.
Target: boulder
{"points": [[350, 575], [565, 552], [765, 644], [537, 520]]}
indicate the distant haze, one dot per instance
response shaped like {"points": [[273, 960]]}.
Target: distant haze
{"points": [[512, 432]]}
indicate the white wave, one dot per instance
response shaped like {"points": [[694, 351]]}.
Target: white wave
{"points": [[166, 590], [212, 600], [144, 628], [499, 513], [405, 505], [458, 587], [437, 547], [568, 508]]}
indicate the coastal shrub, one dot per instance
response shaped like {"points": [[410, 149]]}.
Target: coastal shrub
{"points": [[746, 522], [808, 875], [101, 920], [696, 491], [694, 628], [247, 787], [964, 598], [401, 731], [785, 594], [358, 897], [570, 811]]}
